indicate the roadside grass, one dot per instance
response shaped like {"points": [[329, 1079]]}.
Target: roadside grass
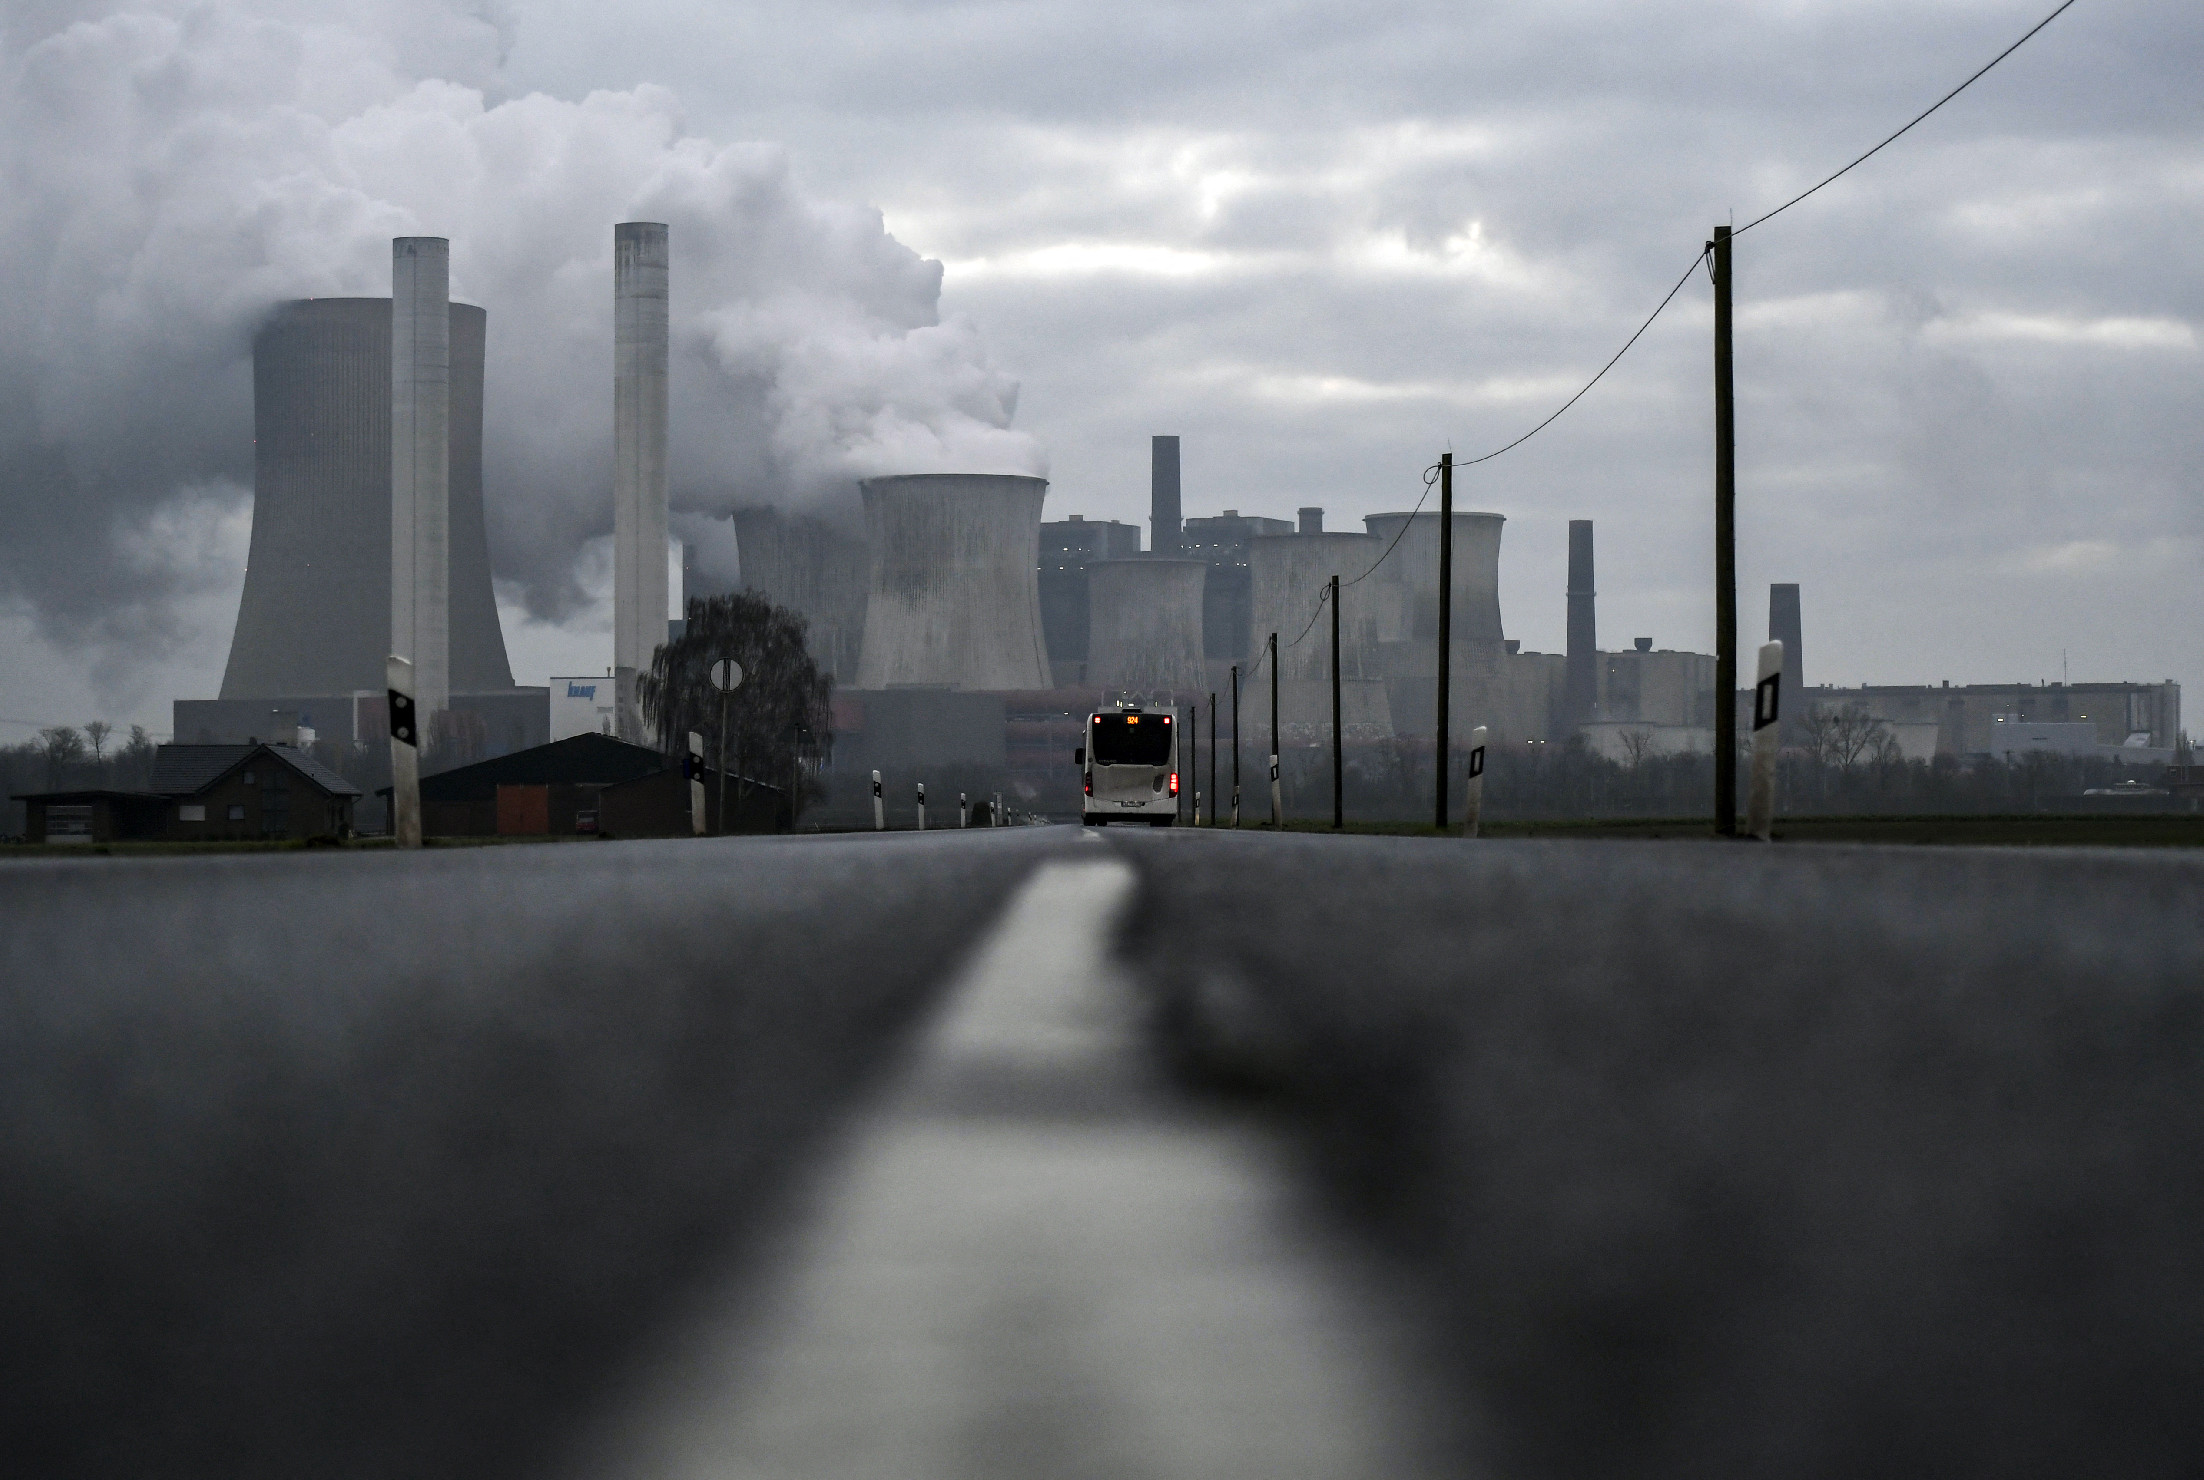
{"points": [[2061, 830]]}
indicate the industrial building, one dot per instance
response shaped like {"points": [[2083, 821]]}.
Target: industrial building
{"points": [[1068, 548]]}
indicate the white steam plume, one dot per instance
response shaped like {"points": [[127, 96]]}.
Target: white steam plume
{"points": [[169, 170]]}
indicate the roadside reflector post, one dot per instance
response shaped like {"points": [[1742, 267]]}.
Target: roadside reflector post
{"points": [[964, 810], [995, 817], [879, 808], [1476, 788], [695, 768], [405, 754], [922, 806], [1767, 735]]}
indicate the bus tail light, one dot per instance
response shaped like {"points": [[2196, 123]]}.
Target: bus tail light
{"points": [[1174, 783]]}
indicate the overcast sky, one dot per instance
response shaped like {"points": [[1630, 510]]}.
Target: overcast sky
{"points": [[1320, 242]]}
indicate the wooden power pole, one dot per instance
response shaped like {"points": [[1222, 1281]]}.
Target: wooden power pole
{"points": [[1725, 547], [1446, 618], [1339, 775]]}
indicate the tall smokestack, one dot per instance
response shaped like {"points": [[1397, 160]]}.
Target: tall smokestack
{"points": [[1580, 684], [1164, 516], [420, 464], [1784, 627], [639, 361]]}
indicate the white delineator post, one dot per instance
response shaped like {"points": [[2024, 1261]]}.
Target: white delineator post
{"points": [[405, 754], [922, 806], [995, 814], [964, 810], [420, 468], [696, 784], [1476, 796], [879, 807], [640, 356], [1767, 739]]}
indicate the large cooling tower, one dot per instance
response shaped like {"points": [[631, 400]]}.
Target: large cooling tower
{"points": [[953, 598], [814, 568], [1414, 568], [1289, 574], [315, 617], [1144, 624]]}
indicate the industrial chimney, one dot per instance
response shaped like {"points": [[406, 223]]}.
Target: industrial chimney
{"points": [[420, 464], [639, 371], [1784, 627], [1164, 515], [1311, 521], [1580, 681]]}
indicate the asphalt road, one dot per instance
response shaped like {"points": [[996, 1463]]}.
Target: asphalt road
{"points": [[871, 1156]]}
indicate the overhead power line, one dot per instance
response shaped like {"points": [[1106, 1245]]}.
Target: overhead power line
{"points": [[1901, 133]]}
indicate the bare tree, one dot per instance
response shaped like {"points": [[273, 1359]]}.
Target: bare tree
{"points": [[1637, 747], [97, 732], [62, 746], [1840, 734]]}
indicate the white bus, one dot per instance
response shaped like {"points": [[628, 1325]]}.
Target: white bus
{"points": [[1130, 765]]}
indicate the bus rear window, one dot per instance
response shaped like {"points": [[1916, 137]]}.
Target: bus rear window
{"points": [[1132, 740]]}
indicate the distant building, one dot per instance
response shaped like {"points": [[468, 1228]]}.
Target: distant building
{"points": [[588, 784], [581, 706], [204, 793], [2136, 722], [1228, 596], [1068, 547]]}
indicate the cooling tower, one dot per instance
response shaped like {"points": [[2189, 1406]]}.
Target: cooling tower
{"points": [[1289, 574], [953, 599], [315, 617], [1413, 567], [420, 464], [1580, 683], [815, 569], [640, 352], [1144, 625]]}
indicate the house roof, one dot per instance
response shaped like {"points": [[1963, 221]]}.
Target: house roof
{"points": [[589, 759], [579, 760], [187, 770]]}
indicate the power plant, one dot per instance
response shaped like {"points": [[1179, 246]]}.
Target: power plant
{"points": [[957, 626]]}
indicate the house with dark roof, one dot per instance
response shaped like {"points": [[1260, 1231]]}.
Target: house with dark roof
{"points": [[204, 793], [586, 784]]}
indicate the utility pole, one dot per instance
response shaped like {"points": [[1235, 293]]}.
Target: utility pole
{"points": [[723, 763], [1339, 774], [1725, 547], [1446, 620], [1277, 802], [1212, 757], [1235, 745]]}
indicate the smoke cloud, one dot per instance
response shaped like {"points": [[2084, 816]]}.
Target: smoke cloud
{"points": [[169, 170]]}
